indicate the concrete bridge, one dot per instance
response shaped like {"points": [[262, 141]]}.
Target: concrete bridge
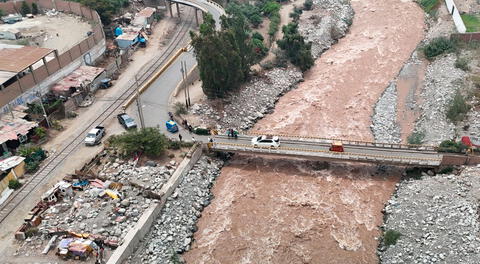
{"points": [[206, 6], [354, 151]]}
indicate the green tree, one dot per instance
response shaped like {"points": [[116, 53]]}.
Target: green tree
{"points": [[148, 140], [270, 8], [25, 9], [34, 8], [1, 13], [308, 4], [295, 47], [224, 57], [105, 8]]}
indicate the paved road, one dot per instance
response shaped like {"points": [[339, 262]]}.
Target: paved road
{"points": [[155, 99]]}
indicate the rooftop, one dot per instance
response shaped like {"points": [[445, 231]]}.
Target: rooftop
{"points": [[10, 162], [18, 59], [11, 127], [146, 12], [77, 77], [128, 36]]}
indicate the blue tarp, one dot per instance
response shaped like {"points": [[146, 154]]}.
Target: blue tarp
{"points": [[118, 31]]}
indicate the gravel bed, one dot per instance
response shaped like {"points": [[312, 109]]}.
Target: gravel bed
{"points": [[438, 219], [325, 24], [384, 120], [441, 83], [173, 230]]}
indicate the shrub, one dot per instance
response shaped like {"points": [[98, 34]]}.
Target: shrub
{"points": [[390, 237], [274, 24], [438, 46], [31, 232], [446, 170], [294, 45], [458, 108], [257, 35], [462, 63], [180, 109], [25, 9], [41, 132], [148, 140], [14, 184], [32, 166], [34, 8], [416, 138], [271, 8], [31, 153], [415, 173], [451, 146], [429, 5], [308, 5], [201, 131], [1, 13]]}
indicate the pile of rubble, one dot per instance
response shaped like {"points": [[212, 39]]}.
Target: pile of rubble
{"points": [[150, 177], [437, 218], [325, 24], [173, 231], [442, 79], [252, 102], [105, 207]]}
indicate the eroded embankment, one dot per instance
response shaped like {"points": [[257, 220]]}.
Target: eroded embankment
{"points": [[277, 211]]}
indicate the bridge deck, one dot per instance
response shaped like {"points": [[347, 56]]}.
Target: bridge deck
{"points": [[386, 154]]}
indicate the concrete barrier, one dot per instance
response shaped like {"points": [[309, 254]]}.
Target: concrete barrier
{"points": [[138, 232], [192, 76], [457, 19]]}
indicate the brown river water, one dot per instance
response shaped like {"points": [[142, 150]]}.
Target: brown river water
{"points": [[270, 210]]}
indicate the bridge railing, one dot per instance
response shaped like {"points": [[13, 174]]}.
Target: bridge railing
{"points": [[328, 154], [353, 142]]}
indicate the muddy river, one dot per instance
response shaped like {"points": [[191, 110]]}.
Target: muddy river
{"points": [[284, 211]]}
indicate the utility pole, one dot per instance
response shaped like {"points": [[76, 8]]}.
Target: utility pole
{"points": [[188, 88], [139, 105], [39, 94], [183, 70]]}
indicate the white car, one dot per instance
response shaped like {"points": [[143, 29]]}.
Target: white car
{"points": [[266, 141]]}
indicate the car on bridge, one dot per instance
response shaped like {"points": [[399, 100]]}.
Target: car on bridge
{"points": [[266, 141]]}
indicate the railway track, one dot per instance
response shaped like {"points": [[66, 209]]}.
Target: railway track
{"points": [[53, 162]]}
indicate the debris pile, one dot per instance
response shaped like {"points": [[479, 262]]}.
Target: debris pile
{"points": [[437, 218], [173, 231]]}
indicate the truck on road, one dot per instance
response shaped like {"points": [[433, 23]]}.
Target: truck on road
{"points": [[95, 136]]}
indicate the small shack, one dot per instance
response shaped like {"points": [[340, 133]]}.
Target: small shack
{"points": [[14, 129], [11, 169], [127, 40], [85, 78], [145, 17], [11, 34]]}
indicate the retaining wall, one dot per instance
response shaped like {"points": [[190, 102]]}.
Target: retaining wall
{"points": [[138, 232], [192, 76], [457, 19]]}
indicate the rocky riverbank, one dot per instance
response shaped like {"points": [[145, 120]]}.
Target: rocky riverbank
{"points": [[384, 121], [173, 231], [437, 218], [325, 24]]}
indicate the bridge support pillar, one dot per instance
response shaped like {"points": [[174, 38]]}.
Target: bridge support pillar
{"points": [[196, 16], [178, 9], [169, 6]]}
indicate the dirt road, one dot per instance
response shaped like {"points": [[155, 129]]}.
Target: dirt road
{"points": [[278, 211]]}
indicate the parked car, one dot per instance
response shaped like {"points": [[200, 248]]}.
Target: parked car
{"points": [[95, 136], [266, 141], [126, 121]]}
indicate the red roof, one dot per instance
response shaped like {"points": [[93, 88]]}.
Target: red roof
{"points": [[76, 78]]}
